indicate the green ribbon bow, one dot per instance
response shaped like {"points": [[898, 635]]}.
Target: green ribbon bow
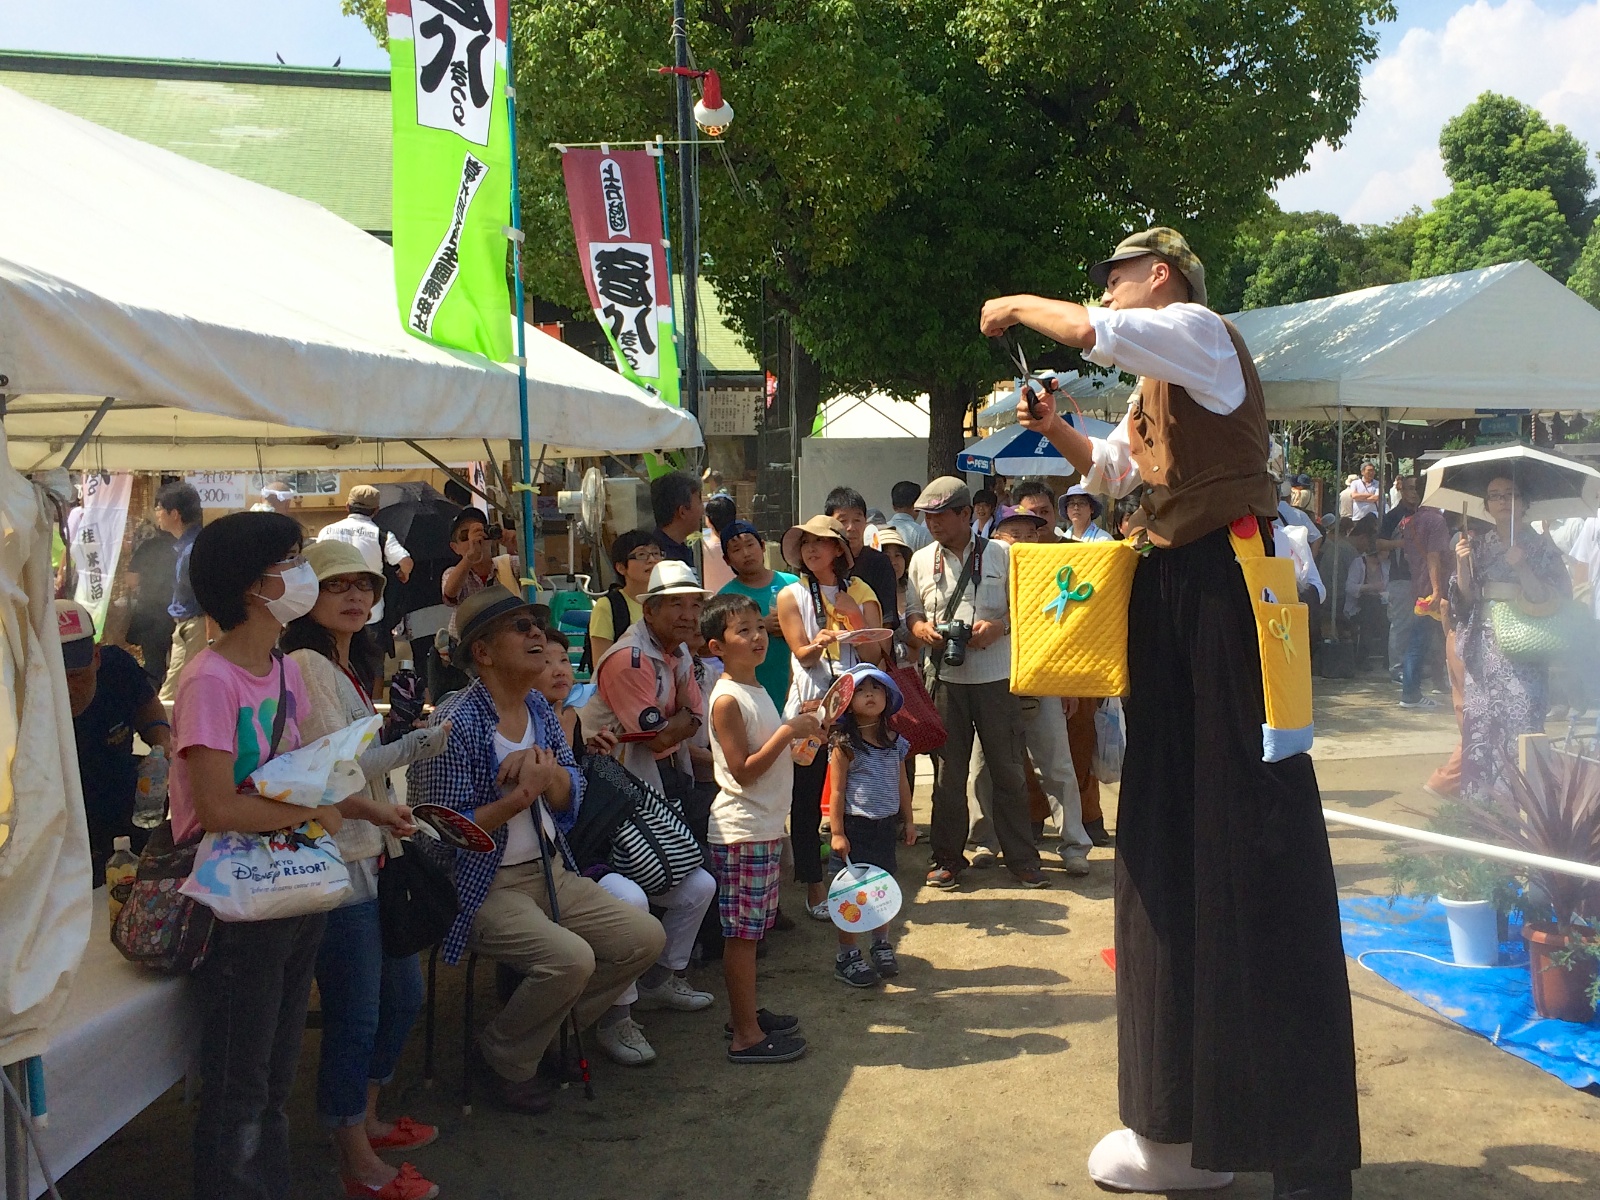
{"points": [[1281, 631], [1066, 593]]}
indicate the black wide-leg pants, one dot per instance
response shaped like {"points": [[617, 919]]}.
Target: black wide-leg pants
{"points": [[1233, 1007]]}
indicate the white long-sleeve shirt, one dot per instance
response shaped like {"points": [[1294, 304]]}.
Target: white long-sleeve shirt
{"points": [[1183, 344]]}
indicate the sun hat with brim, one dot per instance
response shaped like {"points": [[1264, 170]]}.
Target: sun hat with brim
{"points": [[1012, 513], [669, 577], [76, 628], [1169, 244], [888, 535], [1077, 489], [333, 558], [482, 609], [862, 672], [819, 527]]}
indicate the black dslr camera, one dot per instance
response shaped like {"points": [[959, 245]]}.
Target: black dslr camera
{"points": [[956, 635]]}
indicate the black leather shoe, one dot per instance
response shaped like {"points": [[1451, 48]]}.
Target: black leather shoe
{"points": [[1096, 830], [1311, 1185]]}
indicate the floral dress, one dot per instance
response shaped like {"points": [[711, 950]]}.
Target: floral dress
{"points": [[1501, 699]]}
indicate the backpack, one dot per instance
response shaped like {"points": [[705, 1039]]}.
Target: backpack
{"points": [[619, 621], [629, 826]]}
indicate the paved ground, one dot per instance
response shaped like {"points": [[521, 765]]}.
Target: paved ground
{"points": [[987, 1071]]}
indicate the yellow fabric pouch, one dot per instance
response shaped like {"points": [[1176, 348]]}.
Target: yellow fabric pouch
{"points": [[1283, 638], [1069, 618]]}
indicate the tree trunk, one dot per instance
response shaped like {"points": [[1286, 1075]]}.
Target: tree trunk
{"points": [[947, 418], [806, 381]]}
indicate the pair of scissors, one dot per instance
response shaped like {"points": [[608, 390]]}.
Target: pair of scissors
{"points": [[1019, 359]]}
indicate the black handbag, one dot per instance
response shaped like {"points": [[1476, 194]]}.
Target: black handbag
{"points": [[417, 902]]}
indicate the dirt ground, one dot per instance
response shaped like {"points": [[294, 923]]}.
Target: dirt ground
{"points": [[988, 1069]]}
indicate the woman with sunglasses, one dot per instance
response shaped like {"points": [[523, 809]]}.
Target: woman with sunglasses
{"points": [[369, 1001], [1501, 699]]}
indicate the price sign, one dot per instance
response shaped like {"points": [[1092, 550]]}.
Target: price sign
{"points": [[220, 489]]}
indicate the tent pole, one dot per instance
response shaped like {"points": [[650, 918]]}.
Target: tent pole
{"points": [[1337, 588], [88, 432], [529, 582], [451, 472], [1383, 461], [494, 470]]}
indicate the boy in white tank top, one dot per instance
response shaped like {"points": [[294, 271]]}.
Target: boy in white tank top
{"points": [[754, 774]]}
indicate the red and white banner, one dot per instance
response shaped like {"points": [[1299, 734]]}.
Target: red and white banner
{"points": [[616, 220]]}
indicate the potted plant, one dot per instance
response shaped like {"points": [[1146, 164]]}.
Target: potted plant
{"points": [[1554, 810], [1477, 894]]}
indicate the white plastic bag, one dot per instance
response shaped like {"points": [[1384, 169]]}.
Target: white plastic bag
{"points": [[323, 772], [263, 876], [863, 897], [1110, 741]]}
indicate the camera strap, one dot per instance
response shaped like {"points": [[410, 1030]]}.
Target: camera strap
{"points": [[970, 571], [825, 617]]}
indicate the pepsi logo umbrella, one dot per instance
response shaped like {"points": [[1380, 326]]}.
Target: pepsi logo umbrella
{"points": [[1552, 485], [1018, 451]]}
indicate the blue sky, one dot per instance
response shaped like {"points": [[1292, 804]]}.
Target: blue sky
{"points": [[1433, 61]]}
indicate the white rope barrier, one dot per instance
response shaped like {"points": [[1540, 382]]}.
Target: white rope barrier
{"points": [[1410, 834]]}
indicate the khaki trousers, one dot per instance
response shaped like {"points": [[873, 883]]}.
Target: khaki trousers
{"points": [[188, 639], [601, 946]]}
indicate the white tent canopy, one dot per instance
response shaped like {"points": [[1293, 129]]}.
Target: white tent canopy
{"points": [[260, 326], [1505, 337]]}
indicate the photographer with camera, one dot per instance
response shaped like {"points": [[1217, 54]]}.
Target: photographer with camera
{"points": [[957, 606]]}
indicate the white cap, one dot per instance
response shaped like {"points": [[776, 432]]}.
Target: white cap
{"points": [[121, 843]]}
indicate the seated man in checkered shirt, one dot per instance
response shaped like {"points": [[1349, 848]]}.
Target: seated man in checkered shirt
{"points": [[506, 753]]}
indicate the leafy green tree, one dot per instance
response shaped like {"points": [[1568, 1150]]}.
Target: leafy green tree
{"points": [[1480, 226], [1502, 143], [1585, 277], [1297, 266], [1362, 256]]}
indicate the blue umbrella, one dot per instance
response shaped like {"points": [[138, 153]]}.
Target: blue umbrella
{"points": [[1018, 451]]}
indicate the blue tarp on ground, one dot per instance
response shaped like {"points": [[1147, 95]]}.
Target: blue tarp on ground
{"points": [[1494, 1001]]}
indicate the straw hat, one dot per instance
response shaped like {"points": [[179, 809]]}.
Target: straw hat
{"points": [[669, 577], [821, 527]]}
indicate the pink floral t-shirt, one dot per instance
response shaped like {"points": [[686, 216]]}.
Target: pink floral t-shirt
{"points": [[224, 707]]}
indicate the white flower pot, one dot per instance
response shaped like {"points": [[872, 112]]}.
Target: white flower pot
{"points": [[1474, 931]]}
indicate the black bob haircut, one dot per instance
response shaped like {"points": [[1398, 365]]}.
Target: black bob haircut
{"points": [[721, 609], [230, 556], [671, 492], [624, 544], [844, 497]]}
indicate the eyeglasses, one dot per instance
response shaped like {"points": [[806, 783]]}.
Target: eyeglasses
{"points": [[362, 583], [645, 556], [1501, 497], [294, 560]]}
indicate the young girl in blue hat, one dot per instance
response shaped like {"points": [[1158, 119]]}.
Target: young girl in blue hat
{"points": [[867, 790]]}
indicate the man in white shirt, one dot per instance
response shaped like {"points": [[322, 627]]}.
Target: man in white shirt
{"points": [[1221, 1068], [959, 579], [1364, 493], [362, 532], [904, 498], [1585, 554]]}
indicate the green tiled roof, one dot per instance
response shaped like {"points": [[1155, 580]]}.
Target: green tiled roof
{"points": [[720, 347], [323, 135]]}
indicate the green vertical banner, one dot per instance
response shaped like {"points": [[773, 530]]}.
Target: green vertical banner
{"points": [[616, 222], [452, 172]]}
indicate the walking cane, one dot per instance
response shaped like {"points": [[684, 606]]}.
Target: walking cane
{"points": [[551, 853]]}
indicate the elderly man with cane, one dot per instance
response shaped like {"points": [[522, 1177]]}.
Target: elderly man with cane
{"points": [[1235, 1046]]}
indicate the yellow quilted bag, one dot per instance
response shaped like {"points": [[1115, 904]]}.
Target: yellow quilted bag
{"points": [[1283, 637], [1069, 618]]}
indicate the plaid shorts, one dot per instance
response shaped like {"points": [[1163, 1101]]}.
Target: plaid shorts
{"points": [[747, 887]]}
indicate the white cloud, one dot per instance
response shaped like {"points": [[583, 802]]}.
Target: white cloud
{"points": [[1390, 160]]}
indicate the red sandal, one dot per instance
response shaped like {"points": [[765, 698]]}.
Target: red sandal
{"points": [[407, 1134], [408, 1184]]}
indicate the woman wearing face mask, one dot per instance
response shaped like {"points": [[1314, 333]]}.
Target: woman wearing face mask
{"points": [[238, 704], [369, 1002]]}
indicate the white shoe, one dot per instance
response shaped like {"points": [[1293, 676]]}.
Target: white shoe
{"points": [[624, 1042], [1075, 861], [1129, 1163], [983, 857], [673, 992]]}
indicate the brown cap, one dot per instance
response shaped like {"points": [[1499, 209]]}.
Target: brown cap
{"points": [[822, 527], [944, 493], [1160, 240], [363, 497]]}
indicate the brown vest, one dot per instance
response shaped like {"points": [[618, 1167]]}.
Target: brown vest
{"points": [[1201, 470]]}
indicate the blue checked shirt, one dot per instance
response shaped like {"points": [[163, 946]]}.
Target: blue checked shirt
{"points": [[463, 777]]}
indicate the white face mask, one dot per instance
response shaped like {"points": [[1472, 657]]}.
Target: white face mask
{"points": [[300, 591]]}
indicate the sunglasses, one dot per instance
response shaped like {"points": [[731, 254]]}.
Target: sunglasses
{"points": [[523, 626], [337, 587]]}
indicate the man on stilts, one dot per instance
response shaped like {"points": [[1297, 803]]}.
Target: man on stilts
{"points": [[1234, 1038]]}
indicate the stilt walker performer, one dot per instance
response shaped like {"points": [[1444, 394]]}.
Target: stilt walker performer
{"points": [[1234, 1043]]}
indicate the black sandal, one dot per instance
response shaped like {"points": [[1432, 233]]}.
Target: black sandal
{"points": [[769, 1050], [771, 1023]]}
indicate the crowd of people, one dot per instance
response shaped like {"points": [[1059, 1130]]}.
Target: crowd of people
{"points": [[710, 699]]}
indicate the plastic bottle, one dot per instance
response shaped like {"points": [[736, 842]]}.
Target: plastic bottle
{"points": [[804, 750], [121, 868], [150, 802]]}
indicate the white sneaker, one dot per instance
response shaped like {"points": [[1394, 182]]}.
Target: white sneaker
{"points": [[1130, 1163], [674, 992], [983, 857], [624, 1042], [1075, 860]]}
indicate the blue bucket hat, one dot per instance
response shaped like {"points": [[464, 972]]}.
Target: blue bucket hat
{"points": [[1077, 489], [862, 672]]}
